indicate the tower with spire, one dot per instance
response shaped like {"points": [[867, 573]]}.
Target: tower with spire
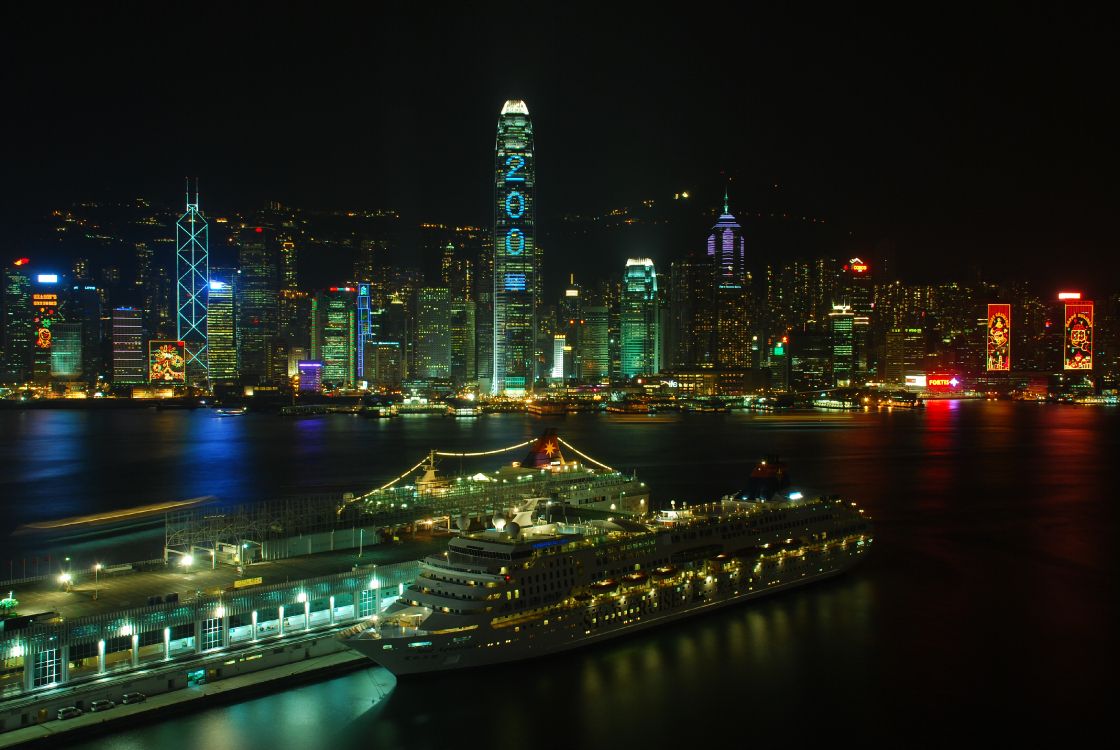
{"points": [[727, 251], [192, 290]]}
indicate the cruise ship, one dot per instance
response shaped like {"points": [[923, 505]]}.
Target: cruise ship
{"points": [[547, 577]]}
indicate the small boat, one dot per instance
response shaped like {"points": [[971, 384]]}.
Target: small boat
{"points": [[232, 411]]}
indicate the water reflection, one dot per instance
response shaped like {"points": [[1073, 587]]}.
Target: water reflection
{"points": [[988, 589]]}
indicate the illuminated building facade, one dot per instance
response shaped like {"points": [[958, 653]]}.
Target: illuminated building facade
{"points": [[640, 332], [310, 376], [559, 343], [841, 323], [334, 334], [83, 306], [45, 314], [167, 362], [364, 332], [905, 353], [1078, 336], [192, 288], [778, 356], [857, 291], [515, 253], [999, 338], [433, 332], [595, 345], [727, 252], [571, 323], [129, 360], [221, 324], [66, 351], [18, 335]]}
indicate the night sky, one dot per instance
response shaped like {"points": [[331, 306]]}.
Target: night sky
{"points": [[954, 135]]}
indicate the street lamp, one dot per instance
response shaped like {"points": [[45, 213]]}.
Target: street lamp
{"points": [[96, 570], [186, 561], [65, 580]]}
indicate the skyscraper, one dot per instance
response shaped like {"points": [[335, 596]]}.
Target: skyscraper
{"points": [[192, 271], [433, 333], [66, 351], [726, 250], [692, 313], [464, 369], [571, 323], [130, 363], [595, 345], [258, 291], [841, 322], [641, 334], [221, 318], [515, 252], [17, 336], [334, 334]]}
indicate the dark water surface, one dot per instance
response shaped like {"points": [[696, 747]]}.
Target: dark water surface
{"points": [[986, 601]]}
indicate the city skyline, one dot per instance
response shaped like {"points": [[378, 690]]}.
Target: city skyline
{"points": [[958, 161]]}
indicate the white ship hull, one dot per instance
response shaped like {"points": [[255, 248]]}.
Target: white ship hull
{"points": [[687, 593]]}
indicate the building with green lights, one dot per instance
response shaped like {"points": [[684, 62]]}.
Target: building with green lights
{"points": [[640, 332], [334, 334]]}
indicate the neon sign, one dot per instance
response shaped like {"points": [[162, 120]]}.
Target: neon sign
{"points": [[857, 265], [1069, 295], [999, 338], [1079, 337], [167, 362], [942, 382]]}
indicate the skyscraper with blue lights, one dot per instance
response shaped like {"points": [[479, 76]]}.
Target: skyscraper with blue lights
{"points": [[515, 253], [192, 270]]}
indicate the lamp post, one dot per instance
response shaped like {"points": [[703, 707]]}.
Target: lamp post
{"points": [[96, 587]]}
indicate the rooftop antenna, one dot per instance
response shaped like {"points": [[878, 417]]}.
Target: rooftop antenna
{"points": [[726, 209], [188, 181]]}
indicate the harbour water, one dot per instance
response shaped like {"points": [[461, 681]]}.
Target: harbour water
{"points": [[987, 598]]}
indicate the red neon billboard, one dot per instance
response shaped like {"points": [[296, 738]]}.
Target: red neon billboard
{"points": [[999, 338], [1079, 337], [1069, 295], [943, 382]]}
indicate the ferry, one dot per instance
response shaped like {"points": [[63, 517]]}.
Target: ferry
{"points": [[546, 578]]}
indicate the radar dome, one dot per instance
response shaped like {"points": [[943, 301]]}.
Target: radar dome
{"points": [[513, 528]]}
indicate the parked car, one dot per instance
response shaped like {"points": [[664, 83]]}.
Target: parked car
{"points": [[133, 698], [69, 712], [101, 705]]}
